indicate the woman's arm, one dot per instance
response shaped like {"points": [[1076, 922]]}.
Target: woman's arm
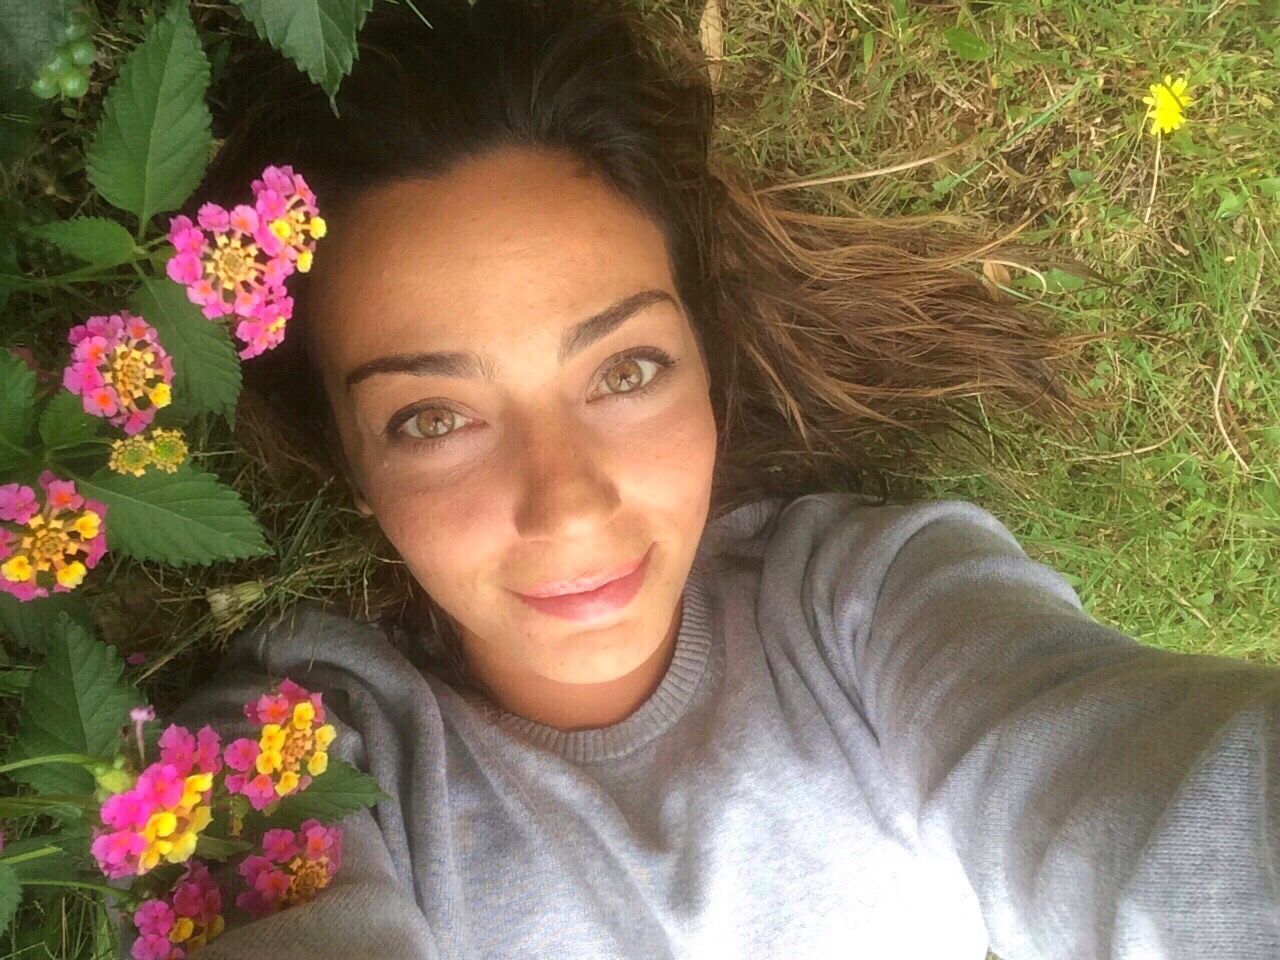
{"points": [[1106, 799]]}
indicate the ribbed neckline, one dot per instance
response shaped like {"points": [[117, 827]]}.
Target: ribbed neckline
{"points": [[656, 715]]}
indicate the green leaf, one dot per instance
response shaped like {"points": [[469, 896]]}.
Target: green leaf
{"points": [[17, 400], [966, 44], [10, 895], [206, 370], [12, 684], [64, 422], [317, 35], [153, 141], [340, 790], [76, 703], [216, 848], [31, 623], [1080, 178], [96, 240], [186, 517], [52, 866]]}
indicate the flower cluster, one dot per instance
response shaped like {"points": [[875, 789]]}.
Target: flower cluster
{"points": [[161, 815], [56, 542], [235, 262], [185, 920], [119, 370], [164, 449], [292, 868], [1165, 104], [292, 745]]}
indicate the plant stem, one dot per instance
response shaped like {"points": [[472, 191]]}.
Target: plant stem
{"points": [[80, 758], [30, 855]]}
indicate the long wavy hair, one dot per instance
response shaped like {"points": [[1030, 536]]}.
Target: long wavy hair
{"points": [[828, 334]]}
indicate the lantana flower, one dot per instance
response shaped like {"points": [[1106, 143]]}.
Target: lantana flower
{"points": [[235, 262], [165, 449], [56, 542], [291, 748], [184, 920], [119, 370], [1166, 103], [160, 818], [293, 867]]}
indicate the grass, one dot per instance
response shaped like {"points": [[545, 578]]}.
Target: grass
{"points": [[1166, 522]]}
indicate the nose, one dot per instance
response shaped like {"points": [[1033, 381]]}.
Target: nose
{"points": [[566, 489]]}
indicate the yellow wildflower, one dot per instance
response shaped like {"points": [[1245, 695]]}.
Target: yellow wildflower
{"points": [[1166, 103]]}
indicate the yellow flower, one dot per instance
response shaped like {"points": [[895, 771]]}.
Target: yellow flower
{"points": [[303, 714], [160, 824], [87, 524], [18, 568], [269, 761], [1166, 103], [167, 449], [318, 227], [193, 788], [304, 261], [130, 455], [287, 783], [272, 737], [318, 764], [71, 574], [324, 736], [160, 395], [183, 927]]}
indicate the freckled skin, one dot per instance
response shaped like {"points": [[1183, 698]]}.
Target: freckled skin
{"points": [[547, 473]]}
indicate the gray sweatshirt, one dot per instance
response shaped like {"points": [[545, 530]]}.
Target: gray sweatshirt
{"points": [[884, 732]]}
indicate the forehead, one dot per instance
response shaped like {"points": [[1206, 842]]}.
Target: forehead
{"points": [[501, 246]]}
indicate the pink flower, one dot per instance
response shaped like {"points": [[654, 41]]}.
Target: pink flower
{"points": [[56, 543], [119, 370], [236, 262], [241, 754], [279, 845], [117, 852], [17, 503], [189, 917]]}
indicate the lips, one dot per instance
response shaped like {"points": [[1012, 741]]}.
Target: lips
{"points": [[582, 584], [593, 605]]}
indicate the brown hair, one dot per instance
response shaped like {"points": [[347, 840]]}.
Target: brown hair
{"points": [[828, 334]]}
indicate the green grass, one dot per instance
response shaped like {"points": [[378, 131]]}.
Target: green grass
{"points": [[1167, 521]]}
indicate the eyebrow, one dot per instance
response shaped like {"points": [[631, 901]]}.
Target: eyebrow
{"points": [[478, 366]]}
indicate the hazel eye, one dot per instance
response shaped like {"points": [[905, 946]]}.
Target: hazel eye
{"points": [[632, 378], [429, 418]]}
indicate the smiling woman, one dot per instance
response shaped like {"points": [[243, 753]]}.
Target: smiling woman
{"points": [[607, 401], [550, 327]]}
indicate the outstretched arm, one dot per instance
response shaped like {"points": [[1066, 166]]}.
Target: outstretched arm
{"points": [[1106, 799]]}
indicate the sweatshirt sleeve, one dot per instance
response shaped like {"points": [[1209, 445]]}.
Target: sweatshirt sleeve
{"points": [[1105, 798], [367, 911]]}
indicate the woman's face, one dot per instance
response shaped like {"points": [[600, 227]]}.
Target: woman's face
{"points": [[564, 448]]}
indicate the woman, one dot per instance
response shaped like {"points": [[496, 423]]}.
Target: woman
{"points": [[550, 348]]}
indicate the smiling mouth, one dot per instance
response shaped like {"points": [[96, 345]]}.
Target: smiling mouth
{"points": [[582, 584]]}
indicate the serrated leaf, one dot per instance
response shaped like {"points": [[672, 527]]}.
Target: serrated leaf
{"points": [[95, 240], [206, 370], [317, 35], [340, 790], [76, 702], [187, 517], [153, 141], [10, 895], [31, 623], [17, 401], [63, 421], [966, 44]]}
